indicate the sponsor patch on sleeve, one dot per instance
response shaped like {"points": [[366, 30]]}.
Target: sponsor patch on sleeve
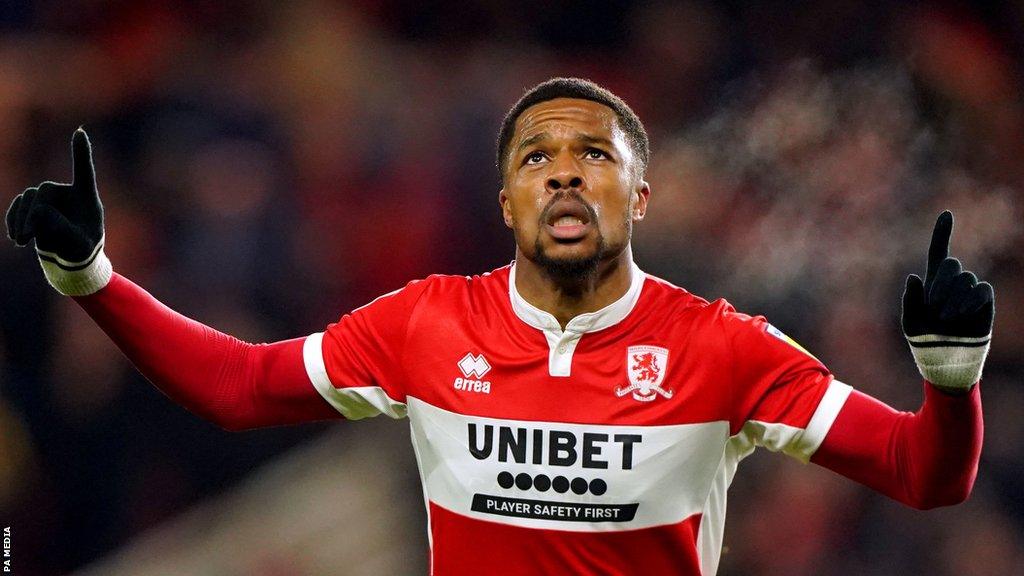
{"points": [[782, 336]]}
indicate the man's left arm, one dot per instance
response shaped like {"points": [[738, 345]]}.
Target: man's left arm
{"points": [[924, 459], [928, 458]]}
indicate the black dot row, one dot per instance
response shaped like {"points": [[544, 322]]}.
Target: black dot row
{"points": [[560, 484]]}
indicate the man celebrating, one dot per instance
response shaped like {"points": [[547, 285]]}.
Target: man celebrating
{"points": [[570, 414]]}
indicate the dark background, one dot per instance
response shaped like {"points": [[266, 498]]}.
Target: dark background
{"points": [[267, 166]]}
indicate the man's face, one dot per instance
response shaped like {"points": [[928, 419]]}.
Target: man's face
{"points": [[573, 187]]}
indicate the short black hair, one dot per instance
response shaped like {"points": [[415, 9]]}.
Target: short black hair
{"points": [[584, 90]]}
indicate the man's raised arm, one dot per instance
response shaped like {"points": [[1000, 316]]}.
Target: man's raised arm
{"points": [[234, 384], [928, 458]]}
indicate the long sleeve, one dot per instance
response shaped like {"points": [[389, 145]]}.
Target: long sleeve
{"points": [[232, 383], [924, 459]]}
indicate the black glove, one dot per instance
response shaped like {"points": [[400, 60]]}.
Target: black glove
{"points": [[947, 318], [66, 221]]}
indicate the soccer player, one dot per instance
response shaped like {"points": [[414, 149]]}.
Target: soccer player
{"points": [[570, 414]]}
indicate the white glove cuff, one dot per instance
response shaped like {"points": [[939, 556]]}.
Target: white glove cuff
{"points": [[77, 278], [950, 361]]}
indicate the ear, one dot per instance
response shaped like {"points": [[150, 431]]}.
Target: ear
{"points": [[643, 193], [506, 208]]}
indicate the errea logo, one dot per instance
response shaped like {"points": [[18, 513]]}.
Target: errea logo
{"points": [[473, 366]]}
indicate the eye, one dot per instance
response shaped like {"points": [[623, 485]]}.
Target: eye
{"points": [[595, 154], [533, 158]]}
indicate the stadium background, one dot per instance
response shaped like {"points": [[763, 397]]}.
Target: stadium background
{"points": [[266, 167]]}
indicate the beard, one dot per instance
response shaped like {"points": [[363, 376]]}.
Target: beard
{"points": [[574, 270]]}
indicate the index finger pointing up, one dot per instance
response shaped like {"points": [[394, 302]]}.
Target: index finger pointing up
{"points": [[939, 249], [81, 158]]}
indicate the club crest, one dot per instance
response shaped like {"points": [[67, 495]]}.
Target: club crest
{"points": [[645, 366]]}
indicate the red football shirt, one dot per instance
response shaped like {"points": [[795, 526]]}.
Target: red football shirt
{"points": [[606, 448]]}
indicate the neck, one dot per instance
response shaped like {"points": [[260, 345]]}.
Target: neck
{"points": [[567, 298]]}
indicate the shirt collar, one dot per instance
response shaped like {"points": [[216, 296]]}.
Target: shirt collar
{"points": [[610, 315]]}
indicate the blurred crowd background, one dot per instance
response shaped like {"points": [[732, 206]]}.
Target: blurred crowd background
{"points": [[266, 167]]}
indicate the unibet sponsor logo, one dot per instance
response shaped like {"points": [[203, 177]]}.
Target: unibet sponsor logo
{"points": [[551, 447], [590, 451]]}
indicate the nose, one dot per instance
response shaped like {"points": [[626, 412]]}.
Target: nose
{"points": [[564, 175]]}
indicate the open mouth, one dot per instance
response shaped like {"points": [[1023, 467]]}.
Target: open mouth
{"points": [[568, 220]]}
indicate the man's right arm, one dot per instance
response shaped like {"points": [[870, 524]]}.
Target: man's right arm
{"points": [[235, 384]]}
